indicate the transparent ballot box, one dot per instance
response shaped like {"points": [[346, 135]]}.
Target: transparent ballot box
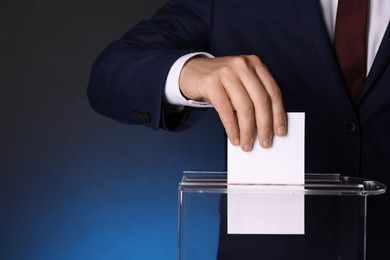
{"points": [[325, 218]]}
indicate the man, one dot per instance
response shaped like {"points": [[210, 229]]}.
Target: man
{"points": [[272, 56]]}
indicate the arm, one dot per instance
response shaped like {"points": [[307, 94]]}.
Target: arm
{"points": [[127, 79]]}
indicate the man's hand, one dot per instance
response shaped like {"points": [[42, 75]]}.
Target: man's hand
{"points": [[244, 94]]}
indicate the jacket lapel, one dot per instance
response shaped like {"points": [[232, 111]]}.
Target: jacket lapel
{"points": [[310, 14], [381, 61]]}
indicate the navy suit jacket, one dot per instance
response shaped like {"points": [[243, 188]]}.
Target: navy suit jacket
{"points": [[290, 37]]}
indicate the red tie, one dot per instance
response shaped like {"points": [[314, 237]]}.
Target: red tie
{"points": [[350, 43]]}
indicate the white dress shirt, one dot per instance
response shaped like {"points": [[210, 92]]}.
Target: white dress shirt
{"points": [[378, 20]]}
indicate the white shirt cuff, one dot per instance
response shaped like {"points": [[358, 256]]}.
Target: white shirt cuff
{"points": [[172, 92]]}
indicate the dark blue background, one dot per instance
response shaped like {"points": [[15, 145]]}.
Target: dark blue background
{"points": [[73, 184]]}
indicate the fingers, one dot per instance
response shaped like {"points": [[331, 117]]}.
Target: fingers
{"points": [[227, 115], [262, 104], [243, 92], [270, 114], [266, 98], [244, 116]]}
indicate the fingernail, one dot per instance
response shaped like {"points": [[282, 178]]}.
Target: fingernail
{"points": [[266, 143], [247, 147], [281, 131], [236, 142]]}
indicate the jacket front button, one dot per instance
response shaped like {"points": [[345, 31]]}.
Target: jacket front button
{"points": [[349, 127]]}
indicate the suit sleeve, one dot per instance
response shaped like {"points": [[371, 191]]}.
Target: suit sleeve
{"points": [[127, 79]]}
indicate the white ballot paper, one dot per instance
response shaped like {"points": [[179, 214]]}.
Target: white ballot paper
{"points": [[275, 203]]}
